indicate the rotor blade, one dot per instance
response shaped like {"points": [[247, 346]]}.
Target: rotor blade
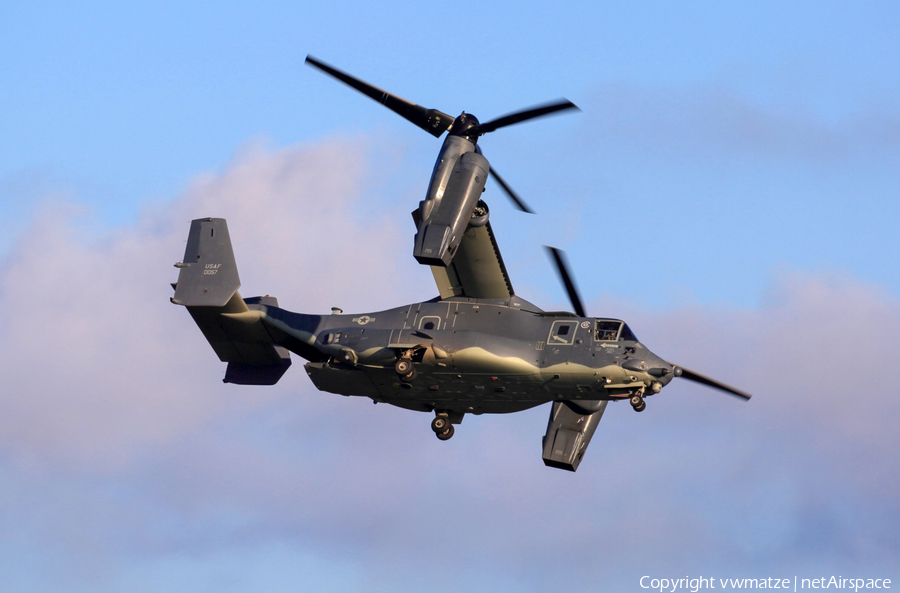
{"points": [[512, 195], [431, 120], [698, 378], [509, 191], [520, 116], [563, 270]]}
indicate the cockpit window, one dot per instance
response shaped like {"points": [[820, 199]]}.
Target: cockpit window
{"points": [[627, 335], [612, 330], [607, 330]]}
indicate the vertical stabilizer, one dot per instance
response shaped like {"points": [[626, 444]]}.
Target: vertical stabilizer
{"points": [[208, 285], [208, 276]]}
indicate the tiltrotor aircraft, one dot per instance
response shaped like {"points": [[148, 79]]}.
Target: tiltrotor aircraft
{"points": [[477, 348]]}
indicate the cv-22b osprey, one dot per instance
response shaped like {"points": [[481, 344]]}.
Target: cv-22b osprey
{"points": [[477, 348]]}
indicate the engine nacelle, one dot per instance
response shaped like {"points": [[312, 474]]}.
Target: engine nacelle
{"points": [[569, 432], [456, 186]]}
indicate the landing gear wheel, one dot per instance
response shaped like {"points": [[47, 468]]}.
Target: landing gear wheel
{"points": [[636, 400], [440, 424], [403, 366], [408, 377], [445, 436], [641, 407]]}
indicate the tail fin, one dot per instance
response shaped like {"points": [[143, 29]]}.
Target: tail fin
{"points": [[208, 276], [208, 285]]}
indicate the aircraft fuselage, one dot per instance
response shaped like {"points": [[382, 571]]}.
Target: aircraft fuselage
{"points": [[473, 356]]}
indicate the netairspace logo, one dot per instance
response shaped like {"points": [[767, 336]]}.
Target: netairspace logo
{"points": [[695, 584]]}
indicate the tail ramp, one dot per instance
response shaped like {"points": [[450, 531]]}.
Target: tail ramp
{"points": [[208, 285]]}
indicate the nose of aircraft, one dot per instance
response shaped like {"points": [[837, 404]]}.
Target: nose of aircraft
{"points": [[660, 370]]}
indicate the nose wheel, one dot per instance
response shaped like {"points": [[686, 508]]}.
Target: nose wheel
{"points": [[637, 402], [442, 428]]}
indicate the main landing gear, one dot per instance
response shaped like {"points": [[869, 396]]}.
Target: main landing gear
{"points": [[404, 368], [442, 427], [637, 402]]}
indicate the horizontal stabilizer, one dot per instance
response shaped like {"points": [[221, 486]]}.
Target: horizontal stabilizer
{"points": [[208, 276], [207, 286], [239, 338], [254, 374]]}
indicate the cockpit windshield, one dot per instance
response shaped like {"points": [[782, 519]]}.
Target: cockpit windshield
{"points": [[607, 330], [613, 330]]}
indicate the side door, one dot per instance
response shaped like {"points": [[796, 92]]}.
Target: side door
{"points": [[560, 341]]}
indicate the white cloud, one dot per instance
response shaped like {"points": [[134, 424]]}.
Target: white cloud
{"points": [[95, 357], [123, 454]]}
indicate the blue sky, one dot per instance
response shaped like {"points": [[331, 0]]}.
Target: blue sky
{"points": [[730, 188], [701, 122]]}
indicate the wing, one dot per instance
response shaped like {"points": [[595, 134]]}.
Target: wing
{"points": [[477, 270]]}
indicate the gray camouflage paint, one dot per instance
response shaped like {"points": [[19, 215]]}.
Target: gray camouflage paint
{"points": [[471, 356], [475, 349]]}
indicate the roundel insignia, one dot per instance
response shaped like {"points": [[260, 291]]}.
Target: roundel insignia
{"points": [[364, 319], [585, 324]]}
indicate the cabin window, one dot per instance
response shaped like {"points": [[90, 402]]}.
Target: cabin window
{"points": [[562, 332], [430, 322]]}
